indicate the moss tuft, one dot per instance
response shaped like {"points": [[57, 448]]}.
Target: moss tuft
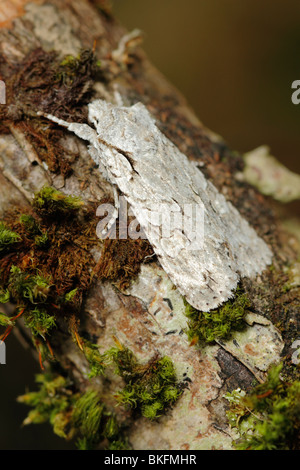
{"points": [[8, 238], [47, 276], [4, 296], [87, 414], [48, 202], [73, 415], [39, 322], [52, 402], [24, 287], [150, 388], [268, 418], [207, 327], [121, 260], [96, 361]]}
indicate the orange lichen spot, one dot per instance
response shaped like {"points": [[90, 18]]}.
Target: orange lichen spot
{"points": [[12, 9]]}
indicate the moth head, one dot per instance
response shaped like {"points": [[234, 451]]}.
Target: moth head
{"points": [[101, 114]]}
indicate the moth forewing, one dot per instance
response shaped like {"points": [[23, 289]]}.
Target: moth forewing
{"points": [[205, 257]]}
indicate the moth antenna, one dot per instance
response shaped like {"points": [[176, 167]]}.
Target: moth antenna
{"points": [[84, 131], [53, 118]]}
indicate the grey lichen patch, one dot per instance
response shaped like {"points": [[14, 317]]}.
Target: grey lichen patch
{"points": [[52, 29], [257, 347], [271, 177], [164, 303], [18, 169]]}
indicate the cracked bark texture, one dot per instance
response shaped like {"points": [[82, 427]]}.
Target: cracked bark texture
{"points": [[148, 317]]}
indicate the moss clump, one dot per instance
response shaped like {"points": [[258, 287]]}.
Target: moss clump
{"points": [[7, 238], [4, 296], [6, 321], [87, 414], [47, 275], [31, 225], [50, 272], [71, 67], [207, 327], [49, 202], [96, 360], [23, 287], [72, 415], [269, 417], [31, 293], [121, 260], [52, 403], [33, 230], [94, 423], [149, 388], [39, 322]]}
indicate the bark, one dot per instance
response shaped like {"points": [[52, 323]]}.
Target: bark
{"points": [[34, 36]]}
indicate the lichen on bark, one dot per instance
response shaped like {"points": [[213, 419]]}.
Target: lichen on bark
{"points": [[51, 63]]}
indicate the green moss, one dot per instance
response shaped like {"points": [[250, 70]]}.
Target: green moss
{"points": [[69, 296], [126, 364], [8, 238], [96, 360], [269, 417], [42, 240], [87, 414], [31, 225], [4, 296], [111, 429], [30, 292], [150, 389], [118, 445], [52, 403], [5, 320], [33, 229], [71, 67], [73, 416], [206, 327], [48, 276], [50, 202], [68, 61], [39, 322], [24, 287]]}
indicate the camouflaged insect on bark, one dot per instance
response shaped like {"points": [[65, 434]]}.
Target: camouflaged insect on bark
{"points": [[156, 178]]}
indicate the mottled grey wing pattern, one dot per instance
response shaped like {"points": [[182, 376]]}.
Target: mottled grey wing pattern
{"points": [[151, 172]]}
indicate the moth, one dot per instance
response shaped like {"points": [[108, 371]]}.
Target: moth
{"points": [[153, 174]]}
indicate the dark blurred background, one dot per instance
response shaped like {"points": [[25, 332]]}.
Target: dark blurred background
{"points": [[235, 62]]}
